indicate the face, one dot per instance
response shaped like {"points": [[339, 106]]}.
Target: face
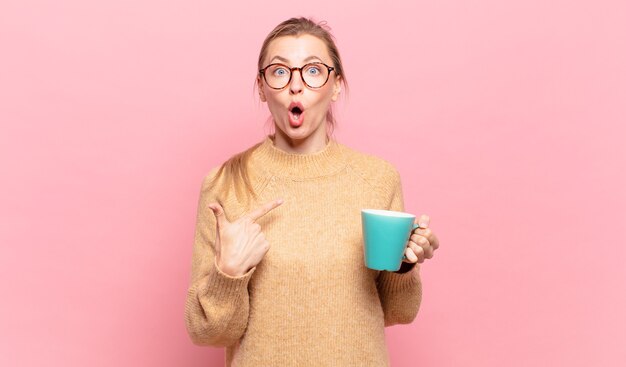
{"points": [[311, 122]]}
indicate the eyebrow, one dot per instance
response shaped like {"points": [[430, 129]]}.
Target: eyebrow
{"points": [[313, 57]]}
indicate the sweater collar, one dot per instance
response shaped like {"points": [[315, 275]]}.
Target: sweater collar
{"points": [[281, 163]]}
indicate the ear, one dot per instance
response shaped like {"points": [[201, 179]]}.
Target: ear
{"points": [[259, 84], [336, 89]]}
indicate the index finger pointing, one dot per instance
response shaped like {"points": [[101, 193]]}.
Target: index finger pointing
{"points": [[259, 212]]}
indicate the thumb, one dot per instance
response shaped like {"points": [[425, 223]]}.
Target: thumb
{"points": [[220, 217]]}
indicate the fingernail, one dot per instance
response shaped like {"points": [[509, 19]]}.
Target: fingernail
{"points": [[280, 201]]}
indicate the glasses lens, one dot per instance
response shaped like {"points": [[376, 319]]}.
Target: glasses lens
{"points": [[315, 75], [277, 76]]}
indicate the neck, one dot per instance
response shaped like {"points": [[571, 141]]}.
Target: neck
{"points": [[311, 144]]}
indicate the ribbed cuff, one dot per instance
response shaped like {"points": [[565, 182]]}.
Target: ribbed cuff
{"points": [[224, 285], [391, 282]]}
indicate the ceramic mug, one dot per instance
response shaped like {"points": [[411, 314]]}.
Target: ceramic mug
{"points": [[385, 236]]}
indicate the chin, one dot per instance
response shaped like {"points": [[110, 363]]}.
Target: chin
{"points": [[297, 134]]}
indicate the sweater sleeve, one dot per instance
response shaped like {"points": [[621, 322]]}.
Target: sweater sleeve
{"points": [[216, 309], [400, 293]]}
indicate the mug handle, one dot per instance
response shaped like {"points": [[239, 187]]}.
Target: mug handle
{"points": [[415, 225]]}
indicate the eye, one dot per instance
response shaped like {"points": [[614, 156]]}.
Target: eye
{"points": [[280, 71], [313, 70]]}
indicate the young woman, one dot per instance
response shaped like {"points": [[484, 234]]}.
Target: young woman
{"points": [[278, 276]]}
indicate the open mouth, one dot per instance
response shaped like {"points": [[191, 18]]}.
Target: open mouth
{"points": [[295, 114]]}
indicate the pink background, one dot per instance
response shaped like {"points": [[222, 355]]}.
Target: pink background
{"points": [[505, 119]]}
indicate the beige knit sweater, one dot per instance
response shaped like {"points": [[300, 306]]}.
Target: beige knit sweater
{"points": [[311, 301]]}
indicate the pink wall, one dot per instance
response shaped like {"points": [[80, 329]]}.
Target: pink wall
{"points": [[505, 119]]}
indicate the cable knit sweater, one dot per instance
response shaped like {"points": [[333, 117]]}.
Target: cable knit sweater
{"points": [[311, 301]]}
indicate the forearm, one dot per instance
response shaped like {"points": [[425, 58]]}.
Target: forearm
{"points": [[216, 310], [400, 295]]}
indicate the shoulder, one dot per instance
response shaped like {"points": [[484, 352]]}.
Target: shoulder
{"points": [[210, 181], [371, 168], [222, 175], [210, 176]]}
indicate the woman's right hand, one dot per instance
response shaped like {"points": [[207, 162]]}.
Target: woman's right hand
{"points": [[240, 245]]}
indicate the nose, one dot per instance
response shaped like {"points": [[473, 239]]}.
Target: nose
{"points": [[296, 85]]}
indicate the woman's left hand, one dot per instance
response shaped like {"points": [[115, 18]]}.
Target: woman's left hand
{"points": [[422, 243]]}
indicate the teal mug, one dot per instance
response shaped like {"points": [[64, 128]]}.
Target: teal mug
{"points": [[385, 235]]}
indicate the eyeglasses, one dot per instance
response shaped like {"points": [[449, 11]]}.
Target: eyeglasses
{"points": [[314, 75]]}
